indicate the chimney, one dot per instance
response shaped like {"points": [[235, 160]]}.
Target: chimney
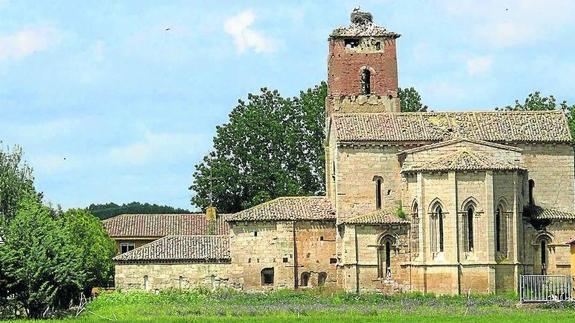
{"points": [[211, 216]]}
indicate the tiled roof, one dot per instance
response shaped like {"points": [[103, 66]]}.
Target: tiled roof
{"points": [[540, 213], [288, 208], [496, 126], [462, 160], [160, 225], [181, 248], [376, 217]]}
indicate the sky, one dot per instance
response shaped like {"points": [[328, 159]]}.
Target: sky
{"points": [[116, 101]]}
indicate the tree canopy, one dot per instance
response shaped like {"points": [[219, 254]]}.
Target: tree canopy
{"points": [[16, 181], [271, 146], [108, 210], [536, 102], [410, 100]]}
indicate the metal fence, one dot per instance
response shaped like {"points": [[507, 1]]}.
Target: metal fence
{"points": [[545, 288]]}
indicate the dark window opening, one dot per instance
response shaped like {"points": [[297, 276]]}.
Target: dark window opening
{"points": [[365, 81], [351, 43], [255, 233], [498, 230], [127, 246], [543, 257], [321, 278], [304, 279], [531, 186], [378, 46], [440, 219], [285, 259], [388, 192], [333, 260], [387, 256], [378, 193], [470, 229], [267, 276], [321, 238]]}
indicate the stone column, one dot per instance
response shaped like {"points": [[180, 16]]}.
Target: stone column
{"points": [[422, 214], [490, 229]]}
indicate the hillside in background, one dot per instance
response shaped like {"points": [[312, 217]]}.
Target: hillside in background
{"points": [[108, 210]]}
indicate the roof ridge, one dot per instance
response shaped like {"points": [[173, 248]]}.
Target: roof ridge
{"points": [[340, 114]]}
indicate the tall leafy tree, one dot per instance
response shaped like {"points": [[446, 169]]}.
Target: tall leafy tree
{"points": [[272, 146], [104, 211], [536, 102], [16, 181], [41, 262], [410, 100]]}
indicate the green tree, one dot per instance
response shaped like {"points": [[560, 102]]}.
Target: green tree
{"points": [[410, 100], [96, 248], [16, 181], [41, 263], [271, 146], [108, 210], [536, 102]]}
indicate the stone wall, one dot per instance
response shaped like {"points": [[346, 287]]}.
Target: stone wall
{"points": [[160, 276], [290, 248]]}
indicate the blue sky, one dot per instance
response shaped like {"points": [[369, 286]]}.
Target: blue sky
{"points": [[109, 105]]}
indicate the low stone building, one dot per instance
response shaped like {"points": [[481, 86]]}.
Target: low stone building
{"points": [[442, 202]]}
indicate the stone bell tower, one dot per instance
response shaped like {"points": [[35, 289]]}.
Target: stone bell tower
{"points": [[362, 68]]}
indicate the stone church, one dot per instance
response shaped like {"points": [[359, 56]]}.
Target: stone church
{"points": [[445, 202]]}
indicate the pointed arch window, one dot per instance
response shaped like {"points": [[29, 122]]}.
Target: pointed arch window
{"points": [[531, 187], [365, 81], [469, 228], [415, 228], [501, 230], [437, 219]]}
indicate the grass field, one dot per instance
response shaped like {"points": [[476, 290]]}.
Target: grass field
{"points": [[308, 306]]}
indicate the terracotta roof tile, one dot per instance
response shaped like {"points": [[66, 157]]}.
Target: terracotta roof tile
{"points": [[181, 248], [376, 217], [288, 208], [496, 126], [462, 160], [540, 213], [160, 225]]}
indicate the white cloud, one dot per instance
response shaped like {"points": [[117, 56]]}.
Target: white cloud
{"points": [[479, 65], [245, 37], [26, 42], [160, 147]]}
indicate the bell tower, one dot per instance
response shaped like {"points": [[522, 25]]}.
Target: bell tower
{"points": [[362, 68]]}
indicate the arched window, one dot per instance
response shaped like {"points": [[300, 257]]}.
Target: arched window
{"points": [[437, 218], [501, 230], [531, 186], [267, 276], [378, 183], [384, 253], [365, 81], [469, 227], [543, 257], [146, 283], [304, 279], [415, 228], [321, 278]]}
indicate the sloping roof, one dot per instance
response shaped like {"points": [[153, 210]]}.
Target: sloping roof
{"points": [[456, 141], [160, 225], [288, 209], [181, 248], [540, 213], [462, 160], [376, 217], [496, 126]]}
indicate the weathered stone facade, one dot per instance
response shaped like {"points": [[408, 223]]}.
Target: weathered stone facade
{"points": [[442, 202]]}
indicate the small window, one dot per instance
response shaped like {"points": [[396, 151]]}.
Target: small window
{"points": [[378, 182], [267, 276], [304, 279], [285, 259], [146, 283], [127, 246], [321, 238], [531, 186], [366, 81], [255, 233], [378, 46], [321, 278], [333, 260], [351, 43]]}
